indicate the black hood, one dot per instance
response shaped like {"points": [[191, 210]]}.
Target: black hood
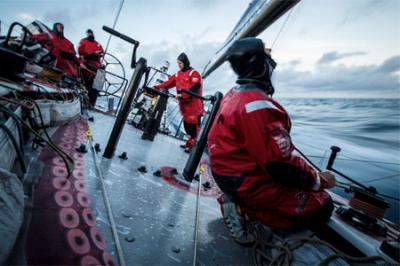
{"points": [[90, 38], [55, 29], [251, 63], [185, 60]]}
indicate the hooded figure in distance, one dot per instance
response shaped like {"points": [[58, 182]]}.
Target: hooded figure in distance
{"points": [[61, 49], [192, 109]]}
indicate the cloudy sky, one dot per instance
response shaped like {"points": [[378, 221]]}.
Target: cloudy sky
{"points": [[341, 48]]}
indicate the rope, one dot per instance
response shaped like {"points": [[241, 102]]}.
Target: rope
{"points": [[285, 249], [106, 201], [114, 24], [196, 222], [283, 25]]}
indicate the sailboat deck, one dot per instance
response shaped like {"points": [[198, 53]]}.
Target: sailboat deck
{"points": [[155, 220]]}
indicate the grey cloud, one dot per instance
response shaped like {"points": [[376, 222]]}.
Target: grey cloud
{"points": [[364, 10], [199, 53], [295, 62], [63, 16], [390, 65], [334, 56], [327, 78]]}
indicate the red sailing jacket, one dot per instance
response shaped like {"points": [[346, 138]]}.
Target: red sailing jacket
{"points": [[91, 52], [63, 50], [250, 136], [252, 160], [191, 108]]}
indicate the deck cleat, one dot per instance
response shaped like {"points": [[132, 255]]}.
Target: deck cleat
{"points": [[81, 148], [157, 173], [142, 169], [97, 147], [123, 156]]}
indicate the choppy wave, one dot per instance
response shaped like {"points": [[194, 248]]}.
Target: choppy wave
{"points": [[367, 131]]}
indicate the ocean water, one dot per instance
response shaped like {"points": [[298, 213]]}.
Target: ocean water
{"points": [[366, 130]]}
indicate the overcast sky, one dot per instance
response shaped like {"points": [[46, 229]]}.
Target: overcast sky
{"points": [[341, 48]]}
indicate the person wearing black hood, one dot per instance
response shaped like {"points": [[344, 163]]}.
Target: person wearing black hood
{"points": [[191, 108], [251, 154], [91, 53], [62, 49]]}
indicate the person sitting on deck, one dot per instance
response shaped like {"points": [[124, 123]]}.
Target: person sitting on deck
{"points": [[191, 108], [61, 49], [91, 53], [251, 154]]}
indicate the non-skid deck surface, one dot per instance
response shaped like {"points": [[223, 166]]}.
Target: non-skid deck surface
{"points": [[155, 219]]}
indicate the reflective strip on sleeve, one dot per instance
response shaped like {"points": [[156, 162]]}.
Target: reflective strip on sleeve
{"points": [[258, 105]]}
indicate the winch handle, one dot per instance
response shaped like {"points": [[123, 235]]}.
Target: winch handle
{"points": [[163, 94], [211, 98], [127, 39], [120, 35], [332, 157]]}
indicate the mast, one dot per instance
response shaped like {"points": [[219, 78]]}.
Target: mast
{"points": [[258, 16]]}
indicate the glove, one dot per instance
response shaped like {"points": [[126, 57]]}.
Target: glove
{"points": [[328, 179]]}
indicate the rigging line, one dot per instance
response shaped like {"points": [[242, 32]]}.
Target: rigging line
{"points": [[370, 163], [283, 25], [196, 221], [307, 159], [381, 178], [356, 160], [322, 159], [114, 24], [350, 159], [316, 167], [107, 202]]}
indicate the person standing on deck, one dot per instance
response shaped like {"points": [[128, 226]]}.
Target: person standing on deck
{"points": [[91, 53], [61, 49], [251, 154], [191, 108]]}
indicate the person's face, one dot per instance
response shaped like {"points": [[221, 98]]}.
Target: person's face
{"points": [[60, 27], [90, 34], [181, 65]]}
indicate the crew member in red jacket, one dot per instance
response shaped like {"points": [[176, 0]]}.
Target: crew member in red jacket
{"points": [[61, 49], [191, 108], [252, 157], [91, 53]]}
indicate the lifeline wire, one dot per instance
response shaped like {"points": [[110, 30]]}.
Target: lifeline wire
{"points": [[372, 163], [316, 167], [107, 202]]}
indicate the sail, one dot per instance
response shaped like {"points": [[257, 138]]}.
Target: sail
{"points": [[258, 16]]}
